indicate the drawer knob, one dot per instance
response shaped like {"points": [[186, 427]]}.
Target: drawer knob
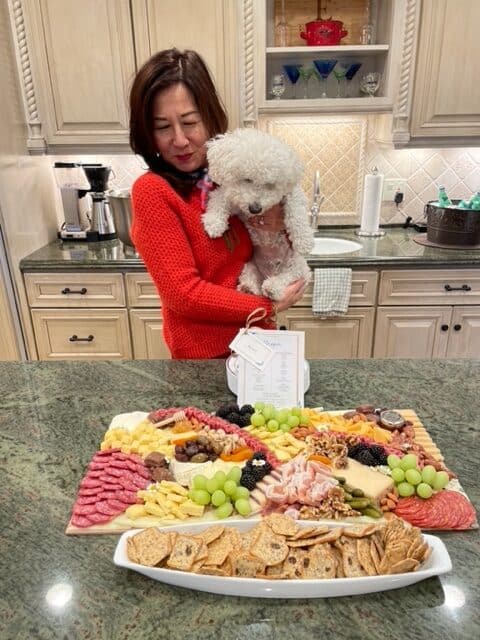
{"points": [[75, 338], [457, 327], [67, 291], [464, 287], [444, 327]]}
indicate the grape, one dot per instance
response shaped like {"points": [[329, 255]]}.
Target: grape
{"points": [[234, 474], [282, 415], [408, 461], [393, 461], [428, 474], [424, 490], [293, 421], [241, 492], [218, 498], [440, 481], [230, 487], [224, 510], [268, 411], [284, 427], [257, 419], [398, 475], [212, 485], [242, 505], [220, 477], [200, 496], [191, 493], [199, 482], [404, 489], [258, 406], [272, 425], [413, 476], [304, 420], [296, 411]]}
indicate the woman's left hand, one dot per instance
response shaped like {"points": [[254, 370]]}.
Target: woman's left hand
{"points": [[271, 220]]}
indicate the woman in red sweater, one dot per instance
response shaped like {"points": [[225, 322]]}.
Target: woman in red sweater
{"points": [[174, 110]]}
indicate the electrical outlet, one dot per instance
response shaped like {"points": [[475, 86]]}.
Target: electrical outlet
{"points": [[390, 188]]}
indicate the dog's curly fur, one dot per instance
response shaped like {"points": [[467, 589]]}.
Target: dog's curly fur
{"points": [[254, 171]]}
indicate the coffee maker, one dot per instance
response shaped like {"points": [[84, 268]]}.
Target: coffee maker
{"points": [[102, 226], [76, 201]]}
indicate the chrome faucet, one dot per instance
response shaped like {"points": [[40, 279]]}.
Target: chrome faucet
{"points": [[317, 201]]}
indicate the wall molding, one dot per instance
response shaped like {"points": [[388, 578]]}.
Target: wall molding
{"points": [[248, 108], [36, 142]]}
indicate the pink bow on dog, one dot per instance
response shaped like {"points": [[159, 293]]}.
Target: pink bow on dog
{"points": [[205, 185]]}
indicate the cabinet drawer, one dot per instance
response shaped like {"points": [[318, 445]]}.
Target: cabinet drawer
{"points": [[147, 335], [77, 334], [75, 289], [141, 292], [364, 289], [429, 286]]}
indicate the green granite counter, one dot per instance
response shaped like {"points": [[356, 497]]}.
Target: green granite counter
{"points": [[396, 249], [52, 417]]}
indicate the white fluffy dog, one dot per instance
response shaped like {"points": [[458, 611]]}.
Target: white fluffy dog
{"points": [[254, 171]]}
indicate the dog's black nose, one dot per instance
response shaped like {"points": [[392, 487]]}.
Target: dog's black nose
{"points": [[254, 208]]}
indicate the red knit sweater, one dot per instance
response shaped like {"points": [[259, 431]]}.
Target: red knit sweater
{"points": [[196, 276]]}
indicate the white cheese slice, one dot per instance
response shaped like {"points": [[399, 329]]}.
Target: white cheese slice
{"points": [[373, 483], [128, 421]]}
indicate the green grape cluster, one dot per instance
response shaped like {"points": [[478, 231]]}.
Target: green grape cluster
{"points": [[223, 492], [267, 416], [410, 479]]}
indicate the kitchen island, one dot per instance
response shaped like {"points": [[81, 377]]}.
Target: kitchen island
{"points": [[52, 418]]}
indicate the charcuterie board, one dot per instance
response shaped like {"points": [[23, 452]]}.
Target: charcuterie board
{"points": [[141, 475]]}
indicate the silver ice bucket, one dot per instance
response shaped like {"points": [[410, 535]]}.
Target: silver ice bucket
{"points": [[121, 206]]}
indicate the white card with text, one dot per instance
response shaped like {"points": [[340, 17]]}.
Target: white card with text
{"points": [[281, 382]]}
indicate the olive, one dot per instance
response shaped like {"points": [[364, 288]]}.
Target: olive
{"points": [[199, 457]]}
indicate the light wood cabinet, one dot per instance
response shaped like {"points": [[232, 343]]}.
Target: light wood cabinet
{"points": [[147, 336], [75, 289], [438, 100], [408, 328]]}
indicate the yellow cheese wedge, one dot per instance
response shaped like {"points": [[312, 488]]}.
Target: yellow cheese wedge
{"points": [[373, 483]]}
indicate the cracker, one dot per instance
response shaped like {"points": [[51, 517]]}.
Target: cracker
{"points": [[306, 532], [281, 524], [359, 532], [404, 566], [322, 562], [184, 552], [365, 557], [132, 552], [245, 565], [270, 548], [219, 550], [350, 562], [212, 533], [152, 546], [331, 536], [293, 565]]}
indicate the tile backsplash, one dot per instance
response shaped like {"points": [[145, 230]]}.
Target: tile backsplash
{"points": [[344, 148]]}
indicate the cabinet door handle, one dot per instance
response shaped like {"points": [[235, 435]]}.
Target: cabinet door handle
{"points": [[457, 327], [282, 327], [67, 290], [464, 287], [75, 338], [444, 327]]}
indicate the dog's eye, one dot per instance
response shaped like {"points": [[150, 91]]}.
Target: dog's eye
{"points": [[270, 186], [247, 181]]}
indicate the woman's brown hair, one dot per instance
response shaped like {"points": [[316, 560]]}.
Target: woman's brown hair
{"points": [[161, 71]]}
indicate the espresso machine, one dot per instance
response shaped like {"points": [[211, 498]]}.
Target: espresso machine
{"points": [[102, 226]]}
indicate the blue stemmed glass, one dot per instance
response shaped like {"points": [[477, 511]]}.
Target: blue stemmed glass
{"points": [[324, 68], [293, 75], [351, 72]]}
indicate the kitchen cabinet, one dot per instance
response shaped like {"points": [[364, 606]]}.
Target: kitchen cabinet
{"points": [[439, 93], [347, 336], [76, 62], [428, 314], [264, 57]]}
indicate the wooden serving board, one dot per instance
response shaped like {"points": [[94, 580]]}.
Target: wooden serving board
{"points": [[121, 523]]}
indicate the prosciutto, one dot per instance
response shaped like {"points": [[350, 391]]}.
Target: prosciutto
{"points": [[301, 481]]}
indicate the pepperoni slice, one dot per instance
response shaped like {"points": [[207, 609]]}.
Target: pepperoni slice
{"points": [[80, 521]]}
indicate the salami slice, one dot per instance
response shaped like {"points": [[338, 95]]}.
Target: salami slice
{"points": [[97, 466], [142, 471], [108, 486], [83, 509], [118, 505], [131, 465], [87, 491], [139, 481], [90, 483], [444, 510], [128, 484], [105, 495], [95, 473], [98, 517], [105, 509], [113, 471], [106, 452], [86, 499], [80, 521], [130, 497], [118, 464]]}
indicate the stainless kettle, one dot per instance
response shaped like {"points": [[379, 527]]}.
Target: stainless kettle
{"points": [[102, 219]]}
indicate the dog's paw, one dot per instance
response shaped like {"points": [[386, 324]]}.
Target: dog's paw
{"points": [[215, 227]]}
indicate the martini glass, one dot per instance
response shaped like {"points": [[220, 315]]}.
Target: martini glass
{"points": [[351, 72], [369, 83], [305, 73], [293, 73], [340, 71], [324, 68]]}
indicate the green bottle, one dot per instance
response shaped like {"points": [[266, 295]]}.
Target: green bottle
{"points": [[443, 199], [474, 203], [463, 204]]}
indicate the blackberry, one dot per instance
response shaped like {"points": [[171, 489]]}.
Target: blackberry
{"points": [[247, 409], [268, 468], [379, 454], [357, 449], [258, 473], [248, 480], [234, 418], [365, 457], [243, 420], [225, 409]]}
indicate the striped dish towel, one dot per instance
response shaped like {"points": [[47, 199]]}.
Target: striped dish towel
{"points": [[331, 292]]}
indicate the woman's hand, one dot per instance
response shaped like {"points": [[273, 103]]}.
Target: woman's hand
{"points": [[292, 294], [271, 220]]}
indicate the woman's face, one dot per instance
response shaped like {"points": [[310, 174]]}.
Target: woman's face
{"points": [[178, 130]]}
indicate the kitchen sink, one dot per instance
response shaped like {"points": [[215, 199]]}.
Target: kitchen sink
{"points": [[331, 246]]}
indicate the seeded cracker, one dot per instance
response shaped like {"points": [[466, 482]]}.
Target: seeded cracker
{"points": [[283, 525], [184, 553], [245, 565], [270, 548], [151, 546], [218, 550], [322, 562], [212, 533]]}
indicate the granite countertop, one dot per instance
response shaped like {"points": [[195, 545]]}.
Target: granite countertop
{"points": [[396, 248], [52, 418]]}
